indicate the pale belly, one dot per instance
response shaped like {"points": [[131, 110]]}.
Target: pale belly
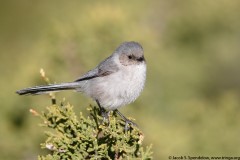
{"points": [[117, 89]]}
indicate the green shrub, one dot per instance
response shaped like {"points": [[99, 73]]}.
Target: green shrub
{"points": [[73, 137]]}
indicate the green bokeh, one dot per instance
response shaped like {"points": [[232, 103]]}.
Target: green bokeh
{"points": [[191, 101]]}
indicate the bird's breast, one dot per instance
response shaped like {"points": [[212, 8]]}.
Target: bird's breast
{"points": [[120, 88]]}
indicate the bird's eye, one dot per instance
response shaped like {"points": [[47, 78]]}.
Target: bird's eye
{"points": [[129, 57]]}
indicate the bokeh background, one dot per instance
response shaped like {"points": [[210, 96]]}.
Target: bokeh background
{"points": [[191, 101]]}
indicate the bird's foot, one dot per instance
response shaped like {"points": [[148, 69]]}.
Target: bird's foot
{"points": [[105, 116], [104, 113], [128, 122]]}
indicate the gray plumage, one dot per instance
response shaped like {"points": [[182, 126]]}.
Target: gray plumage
{"points": [[115, 82]]}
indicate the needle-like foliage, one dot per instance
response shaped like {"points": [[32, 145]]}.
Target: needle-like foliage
{"points": [[89, 137]]}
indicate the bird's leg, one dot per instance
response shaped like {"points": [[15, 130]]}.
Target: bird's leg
{"points": [[127, 121], [104, 113]]}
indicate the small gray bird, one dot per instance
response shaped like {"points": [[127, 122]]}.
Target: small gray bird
{"points": [[115, 82]]}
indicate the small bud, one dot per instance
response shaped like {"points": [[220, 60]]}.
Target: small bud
{"points": [[141, 137], [35, 113], [50, 146], [42, 72], [43, 75]]}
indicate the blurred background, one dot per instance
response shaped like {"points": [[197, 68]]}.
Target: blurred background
{"points": [[191, 101]]}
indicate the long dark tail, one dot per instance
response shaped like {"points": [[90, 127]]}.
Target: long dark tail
{"points": [[48, 88]]}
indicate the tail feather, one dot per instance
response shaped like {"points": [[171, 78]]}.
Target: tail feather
{"points": [[48, 88]]}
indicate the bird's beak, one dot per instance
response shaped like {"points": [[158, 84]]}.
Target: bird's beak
{"points": [[141, 59]]}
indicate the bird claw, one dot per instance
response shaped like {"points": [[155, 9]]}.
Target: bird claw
{"points": [[129, 123], [105, 116]]}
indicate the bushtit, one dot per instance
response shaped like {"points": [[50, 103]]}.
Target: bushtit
{"points": [[115, 82]]}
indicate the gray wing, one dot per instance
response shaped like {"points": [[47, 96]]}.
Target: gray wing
{"points": [[105, 68]]}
